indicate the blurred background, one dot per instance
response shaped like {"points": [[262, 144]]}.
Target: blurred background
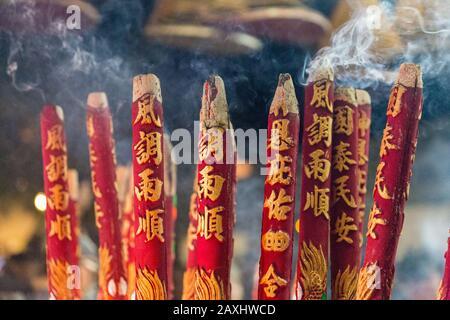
{"points": [[248, 43]]}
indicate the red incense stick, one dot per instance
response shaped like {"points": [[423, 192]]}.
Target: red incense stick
{"points": [[216, 187], [392, 181], [345, 251], [149, 198], [312, 260], [279, 194], [60, 215], [112, 283]]}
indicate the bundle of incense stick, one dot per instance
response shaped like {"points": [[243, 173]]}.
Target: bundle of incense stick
{"points": [[444, 288], [216, 188], [312, 260], [170, 186], [60, 216], [392, 181], [364, 121], [279, 194], [112, 283], [149, 197], [191, 244], [345, 251]]}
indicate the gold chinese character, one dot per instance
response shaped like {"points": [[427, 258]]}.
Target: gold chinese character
{"points": [[363, 124], [95, 188], [343, 120], [57, 168], [320, 130], [277, 241], [277, 205], [362, 182], [342, 157], [386, 141], [98, 215], [90, 126], [191, 237], [148, 146], [319, 201], [342, 192], [55, 140], [280, 171], [152, 225], [281, 106], [362, 156], [280, 139], [211, 144], [374, 221], [319, 167], [210, 185], [59, 198], [320, 98], [272, 282], [146, 111], [61, 227], [395, 102], [379, 180], [149, 189], [344, 224], [210, 224]]}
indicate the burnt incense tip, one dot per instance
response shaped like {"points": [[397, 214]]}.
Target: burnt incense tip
{"points": [[363, 97], [410, 75], [324, 73], [214, 111], [285, 95], [50, 110], [283, 78], [73, 184], [146, 83], [346, 94], [97, 100]]}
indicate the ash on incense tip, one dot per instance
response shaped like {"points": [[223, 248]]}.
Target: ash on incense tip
{"points": [[97, 100]]}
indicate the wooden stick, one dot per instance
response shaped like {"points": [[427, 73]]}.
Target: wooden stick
{"points": [[345, 252], [392, 181], [279, 194], [216, 187], [149, 198], [312, 260], [60, 216], [112, 283]]}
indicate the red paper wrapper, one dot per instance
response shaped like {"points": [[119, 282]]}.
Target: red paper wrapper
{"points": [[112, 283], [444, 288], [216, 188], [345, 251], [170, 186], [149, 198], [364, 121], [191, 244], [279, 194], [392, 181], [60, 217], [312, 260]]}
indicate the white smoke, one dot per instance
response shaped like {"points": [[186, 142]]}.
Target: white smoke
{"points": [[368, 48]]}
